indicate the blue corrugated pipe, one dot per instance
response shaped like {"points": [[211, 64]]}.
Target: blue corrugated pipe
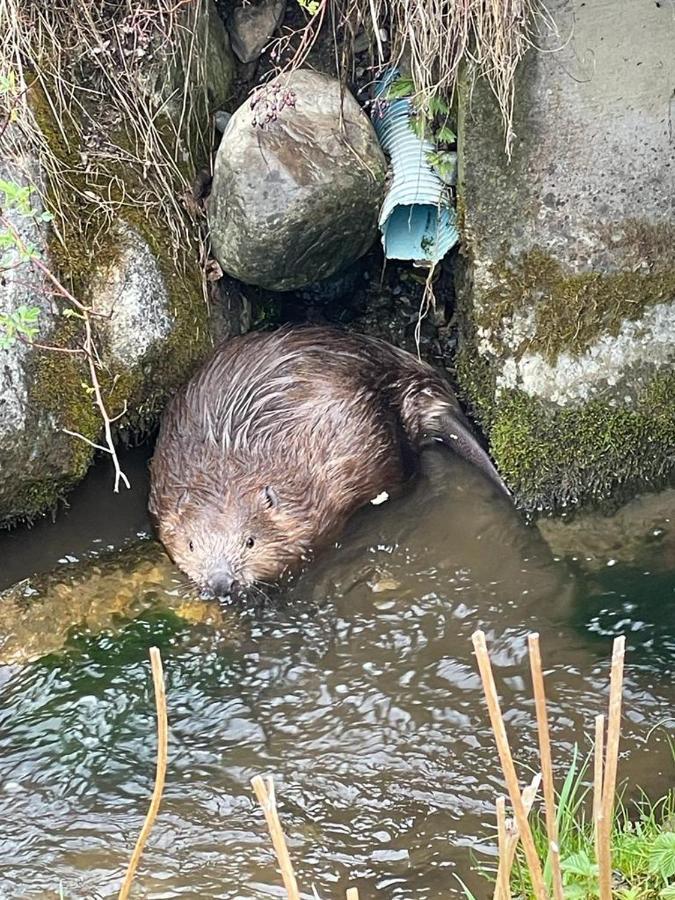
{"points": [[416, 219]]}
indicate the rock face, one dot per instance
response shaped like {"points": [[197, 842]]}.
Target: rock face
{"points": [[252, 26], [129, 294], [567, 303], [30, 448], [151, 325], [296, 197]]}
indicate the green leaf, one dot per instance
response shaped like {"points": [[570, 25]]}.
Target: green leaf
{"points": [[402, 87], [662, 855], [419, 126], [579, 864], [668, 893], [445, 135], [438, 106], [575, 892]]}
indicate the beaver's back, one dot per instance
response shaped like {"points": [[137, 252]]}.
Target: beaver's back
{"points": [[316, 409]]}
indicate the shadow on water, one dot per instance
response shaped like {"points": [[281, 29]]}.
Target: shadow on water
{"points": [[357, 689]]}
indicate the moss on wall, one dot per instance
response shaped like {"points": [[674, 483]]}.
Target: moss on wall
{"points": [[570, 311], [568, 455]]}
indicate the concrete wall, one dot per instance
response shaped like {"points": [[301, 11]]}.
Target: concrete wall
{"points": [[567, 290]]}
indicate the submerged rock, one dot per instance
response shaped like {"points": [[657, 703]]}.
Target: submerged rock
{"points": [[38, 615], [297, 186], [641, 533], [567, 307]]}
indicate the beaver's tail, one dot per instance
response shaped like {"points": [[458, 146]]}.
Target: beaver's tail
{"points": [[445, 422]]}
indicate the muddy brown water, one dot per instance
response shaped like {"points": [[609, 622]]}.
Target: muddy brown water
{"points": [[356, 688]]}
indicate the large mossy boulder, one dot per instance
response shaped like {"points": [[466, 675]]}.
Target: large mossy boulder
{"points": [[297, 186], [111, 164], [567, 292]]}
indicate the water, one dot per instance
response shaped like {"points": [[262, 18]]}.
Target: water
{"points": [[357, 689]]}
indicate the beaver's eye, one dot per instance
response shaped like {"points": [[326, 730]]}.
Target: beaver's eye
{"points": [[250, 541], [191, 546]]}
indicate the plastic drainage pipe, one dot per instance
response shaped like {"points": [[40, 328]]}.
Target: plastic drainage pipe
{"points": [[416, 219]]}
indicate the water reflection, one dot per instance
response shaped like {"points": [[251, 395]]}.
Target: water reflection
{"points": [[359, 691]]}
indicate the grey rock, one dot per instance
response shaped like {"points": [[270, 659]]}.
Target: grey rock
{"points": [[201, 57], [296, 199], [221, 119], [252, 26], [129, 294], [30, 446]]}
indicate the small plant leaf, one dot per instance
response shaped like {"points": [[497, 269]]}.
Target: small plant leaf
{"points": [[579, 864], [668, 893], [445, 135], [662, 855], [402, 87]]}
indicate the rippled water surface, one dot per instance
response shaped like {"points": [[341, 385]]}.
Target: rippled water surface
{"points": [[357, 688]]}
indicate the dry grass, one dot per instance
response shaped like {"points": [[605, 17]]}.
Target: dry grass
{"points": [[436, 39], [112, 147]]}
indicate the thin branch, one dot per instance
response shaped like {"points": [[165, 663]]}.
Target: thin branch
{"points": [[502, 889], [162, 743], [597, 779], [506, 862]]}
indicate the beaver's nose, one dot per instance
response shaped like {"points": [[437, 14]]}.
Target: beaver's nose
{"points": [[223, 584]]}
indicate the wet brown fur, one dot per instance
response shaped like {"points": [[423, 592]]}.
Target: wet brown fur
{"points": [[281, 436]]}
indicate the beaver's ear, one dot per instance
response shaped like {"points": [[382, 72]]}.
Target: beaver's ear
{"points": [[270, 497], [171, 518]]}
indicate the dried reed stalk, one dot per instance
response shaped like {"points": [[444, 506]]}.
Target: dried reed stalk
{"points": [[604, 825], [503, 889], [160, 774], [508, 768], [267, 800], [597, 775], [506, 859], [546, 763]]}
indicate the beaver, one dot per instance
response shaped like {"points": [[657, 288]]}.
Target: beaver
{"points": [[280, 437]]}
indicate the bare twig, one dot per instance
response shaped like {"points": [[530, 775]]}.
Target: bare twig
{"points": [[546, 763], [267, 800], [508, 767], [609, 779], [162, 742]]}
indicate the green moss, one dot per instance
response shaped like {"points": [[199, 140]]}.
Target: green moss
{"points": [[84, 234], [559, 456], [570, 311]]}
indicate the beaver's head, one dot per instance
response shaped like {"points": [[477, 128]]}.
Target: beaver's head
{"points": [[231, 541]]}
